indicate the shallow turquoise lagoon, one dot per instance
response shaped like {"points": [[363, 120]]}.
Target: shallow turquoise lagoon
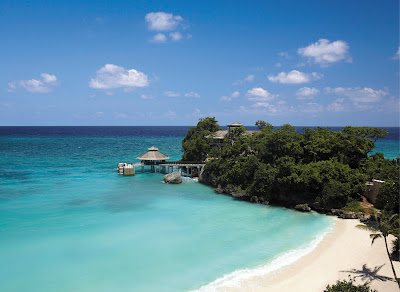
{"points": [[69, 222]]}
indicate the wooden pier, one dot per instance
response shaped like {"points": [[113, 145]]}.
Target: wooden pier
{"points": [[157, 162]]}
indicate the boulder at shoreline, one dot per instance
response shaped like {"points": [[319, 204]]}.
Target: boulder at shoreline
{"points": [[173, 178], [302, 208]]}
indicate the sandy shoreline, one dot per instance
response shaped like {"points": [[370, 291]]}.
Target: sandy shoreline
{"points": [[344, 251]]}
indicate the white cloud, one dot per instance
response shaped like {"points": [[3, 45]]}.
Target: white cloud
{"points": [[146, 96], [159, 38], [234, 95], [44, 85], [259, 94], [336, 106], [192, 94], [172, 94], [197, 113], [112, 76], [311, 107], [294, 77], [161, 21], [278, 65], [248, 78], [169, 114], [358, 95], [306, 93], [324, 52], [397, 55], [267, 106], [49, 79], [284, 55], [176, 36]]}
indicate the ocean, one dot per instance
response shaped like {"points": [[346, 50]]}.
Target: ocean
{"points": [[69, 222]]}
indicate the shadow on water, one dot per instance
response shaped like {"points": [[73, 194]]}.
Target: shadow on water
{"points": [[368, 274], [78, 202], [15, 174], [125, 202]]}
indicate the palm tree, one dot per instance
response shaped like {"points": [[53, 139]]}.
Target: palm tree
{"points": [[386, 224]]}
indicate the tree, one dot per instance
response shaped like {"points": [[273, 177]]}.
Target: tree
{"points": [[366, 132], [195, 145], [261, 125], [348, 286], [387, 223]]}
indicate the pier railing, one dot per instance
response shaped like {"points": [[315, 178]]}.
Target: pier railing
{"points": [[181, 162]]}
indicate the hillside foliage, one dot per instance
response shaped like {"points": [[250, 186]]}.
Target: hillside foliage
{"points": [[326, 169]]}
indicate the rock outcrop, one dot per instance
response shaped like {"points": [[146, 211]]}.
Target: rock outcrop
{"points": [[302, 208], [173, 178]]}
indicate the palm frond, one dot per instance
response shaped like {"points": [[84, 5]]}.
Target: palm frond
{"points": [[367, 228], [375, 236]]}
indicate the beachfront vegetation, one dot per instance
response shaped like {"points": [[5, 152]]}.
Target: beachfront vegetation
{"points": [[323, 168], [387, 223], [348, 286]]}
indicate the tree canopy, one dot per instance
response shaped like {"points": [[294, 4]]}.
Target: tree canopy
{"points": [[326, 169], [195, 145]]}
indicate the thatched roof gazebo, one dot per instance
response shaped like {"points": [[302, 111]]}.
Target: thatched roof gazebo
{"points": [[153, 157]]}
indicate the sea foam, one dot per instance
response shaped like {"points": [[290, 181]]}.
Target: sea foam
{"points": [[236, 278]]}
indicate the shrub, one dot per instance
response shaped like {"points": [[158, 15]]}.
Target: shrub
{"points": [[353, 206], [348, 286]]}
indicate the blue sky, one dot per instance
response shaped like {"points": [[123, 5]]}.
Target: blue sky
{"points": [[307, 63]]}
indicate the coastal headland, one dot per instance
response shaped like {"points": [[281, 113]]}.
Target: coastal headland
{"points": [[319, 170]]}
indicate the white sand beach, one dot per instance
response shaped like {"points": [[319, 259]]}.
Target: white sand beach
{"points": [[345, 251]]}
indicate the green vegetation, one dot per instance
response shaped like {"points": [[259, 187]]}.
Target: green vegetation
{"points": [[387, 223], [377, 167], [348, 286], [326, 169], [195, 145], [353, 206]]}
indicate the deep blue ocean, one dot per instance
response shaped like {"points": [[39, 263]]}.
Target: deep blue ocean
{"points": [[69, 222]]}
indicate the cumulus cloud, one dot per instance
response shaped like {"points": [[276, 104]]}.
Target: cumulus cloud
{"points": [[259, 94], [43, 85], [112, 77], [336, 106], [161, 21], [306, 93], [266, 106], [234, 95], [358, 94], [176, 36], [159, 38], [248, 78], [294, 77], [324, 52], [192, 94], [172, 94]]}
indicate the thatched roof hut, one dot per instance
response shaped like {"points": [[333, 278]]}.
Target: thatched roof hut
{"points": [[153, 155], [235, 124]]}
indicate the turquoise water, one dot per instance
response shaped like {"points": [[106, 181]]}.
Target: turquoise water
{"points": [[69, 222]]}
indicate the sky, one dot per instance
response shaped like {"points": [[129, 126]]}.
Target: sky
{"points": [[133, 63]]}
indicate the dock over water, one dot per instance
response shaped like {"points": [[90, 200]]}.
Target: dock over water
{"points": [[157, 162]]}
